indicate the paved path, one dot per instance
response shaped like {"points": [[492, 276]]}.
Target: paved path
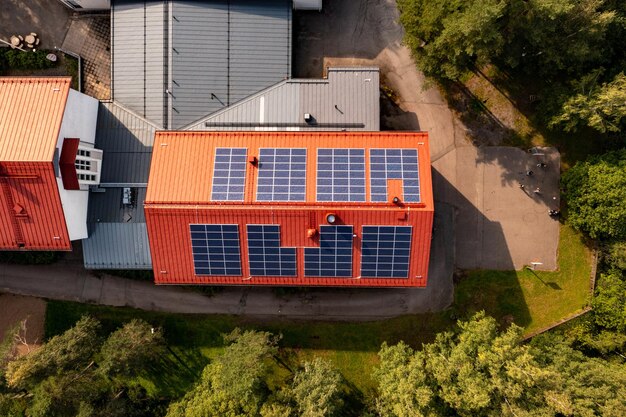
{"points": [[498, 226], [69, 281]]}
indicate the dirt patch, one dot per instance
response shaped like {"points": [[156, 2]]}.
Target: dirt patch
{"points": [[15, 308]]}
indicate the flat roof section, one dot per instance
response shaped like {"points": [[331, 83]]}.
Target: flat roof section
{"points": [[117, 225], [348, 99]]}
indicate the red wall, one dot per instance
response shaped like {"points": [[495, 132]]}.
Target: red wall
{"points": [[42, 226], [170, 242]]}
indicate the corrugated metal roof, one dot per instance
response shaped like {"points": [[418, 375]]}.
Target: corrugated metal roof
{"points": [[118, 238], [182, 165], [31, 213], [31, 112], [348, 99], [117, 246], [126, 141], [176, 61]]}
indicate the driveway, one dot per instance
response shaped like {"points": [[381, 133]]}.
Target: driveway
{"points": [[498, 224]]}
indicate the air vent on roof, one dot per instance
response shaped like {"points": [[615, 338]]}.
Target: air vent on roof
{"points": [[129, 196]]}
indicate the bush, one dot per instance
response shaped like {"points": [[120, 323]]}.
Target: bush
{"points": [[16, 59], [617, 255], [595, 191]]}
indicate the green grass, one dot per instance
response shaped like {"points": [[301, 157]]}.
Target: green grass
{"points": [[532, 300]]}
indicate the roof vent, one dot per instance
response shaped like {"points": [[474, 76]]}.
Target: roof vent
{"points": [[308, 118]]}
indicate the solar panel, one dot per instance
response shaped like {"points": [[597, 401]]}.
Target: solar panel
{"points": [[229, 174], [341, 175], [266, 256], [385, 251], [282, 174], [334, 256], [215, 249], [386, 164]]}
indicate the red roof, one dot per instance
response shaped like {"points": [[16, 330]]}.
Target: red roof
{"points": [[185, 204], [31, 112]]}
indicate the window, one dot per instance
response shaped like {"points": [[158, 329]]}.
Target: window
{"points": [[82, 164], [82, 152], [86, 177]]}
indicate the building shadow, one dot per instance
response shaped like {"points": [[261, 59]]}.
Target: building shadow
{"points": [[344, 28]]}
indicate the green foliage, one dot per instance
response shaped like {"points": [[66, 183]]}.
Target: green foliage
{"points": [[478, 371], [580, 386], [63, 377], [234, 384], [609, 304], [616, 255], [447, 37], [69, 351], [29, 60], [595, 191], [127, 349], [552, 37], [475, 372], [600, 107], [317, 389]]}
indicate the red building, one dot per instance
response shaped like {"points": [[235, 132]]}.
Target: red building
{"points": [[45, 127], [290, 208]]}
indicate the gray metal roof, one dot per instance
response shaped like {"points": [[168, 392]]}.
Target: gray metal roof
{"points": [[348, 99], [117, 246], [178, 60], [117, 232]]}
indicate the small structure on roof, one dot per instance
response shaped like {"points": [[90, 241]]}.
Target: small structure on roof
{"points": [[47, 162], [290, 208]]}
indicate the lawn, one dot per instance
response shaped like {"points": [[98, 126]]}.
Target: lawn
{"points": [[531, 299]]}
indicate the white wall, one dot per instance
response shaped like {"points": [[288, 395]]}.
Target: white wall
{"points": [[79, 121]]}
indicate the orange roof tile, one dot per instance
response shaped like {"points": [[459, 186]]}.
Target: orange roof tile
{"points": [[182, 162], [31, 112]]}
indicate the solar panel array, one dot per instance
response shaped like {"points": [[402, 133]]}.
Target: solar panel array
{"points": [[341, 175], [266, 256], [386, 164], [215, 249], [385, 251], [281, 174], [333, 258], [229, 174]]}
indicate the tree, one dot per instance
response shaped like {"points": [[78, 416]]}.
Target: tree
{"points": [[475, 372], [609, 304], [447, 37], [72, 350], [553, 37], [595, 191], [600, 107], [581, 386], [63, 377], [233, 384], [129, 348], [317, 389]]}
